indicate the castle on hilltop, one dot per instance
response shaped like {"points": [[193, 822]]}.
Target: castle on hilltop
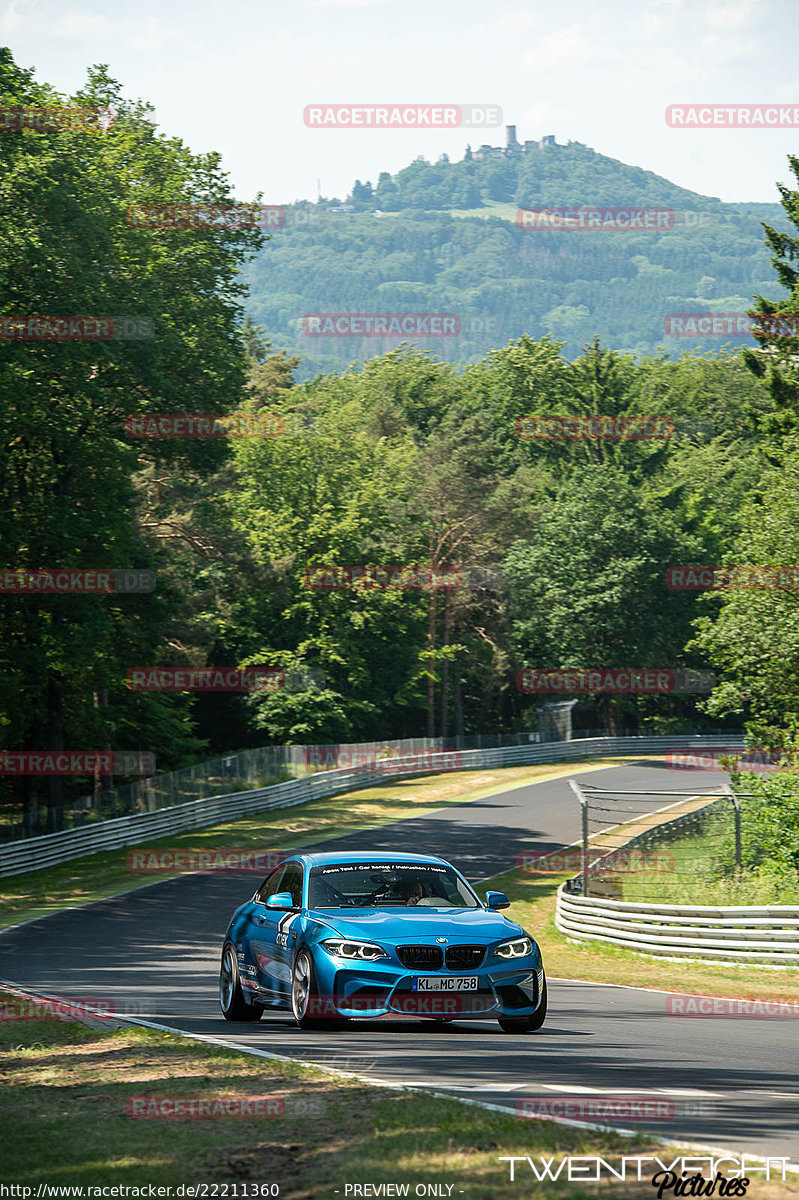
{"points": [[512, 147]]}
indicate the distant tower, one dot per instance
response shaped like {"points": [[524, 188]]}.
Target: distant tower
{"points": [[468, 155], [511, 137]]}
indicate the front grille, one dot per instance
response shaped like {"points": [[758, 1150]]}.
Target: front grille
{"points": [[421, 958], [465, 958]]}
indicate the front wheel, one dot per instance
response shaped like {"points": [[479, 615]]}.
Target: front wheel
{"points": [[306, 1003], [527, 1024], [231, 999]]}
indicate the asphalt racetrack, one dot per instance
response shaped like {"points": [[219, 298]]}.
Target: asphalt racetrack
{"points": [[724, 1082]]}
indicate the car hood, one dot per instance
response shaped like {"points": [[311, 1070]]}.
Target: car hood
{"points": [[412, 924]]}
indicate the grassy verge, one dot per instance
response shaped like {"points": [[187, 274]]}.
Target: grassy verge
{"points": [[700, 869], [65, 1121], [533, 906], [100, 875]]}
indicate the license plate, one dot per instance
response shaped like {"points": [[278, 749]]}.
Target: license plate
{"points": [[444, 983]]}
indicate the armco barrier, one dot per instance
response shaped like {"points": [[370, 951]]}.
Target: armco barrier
{"points": [[34, 854], [745, 934]]}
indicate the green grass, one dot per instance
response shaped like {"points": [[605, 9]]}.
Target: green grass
{"points": [[699, 868], [491, 208], [63, 1113]]}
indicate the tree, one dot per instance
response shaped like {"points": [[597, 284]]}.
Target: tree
{"points": [[69, 248], [588, 587], [754, 636], [777, 323]]}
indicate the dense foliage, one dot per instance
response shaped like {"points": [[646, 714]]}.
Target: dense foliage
{"points": [[405, 461], [444, 238]]}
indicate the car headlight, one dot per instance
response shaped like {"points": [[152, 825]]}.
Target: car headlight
{"points": [[518, 948], [347, 949]]}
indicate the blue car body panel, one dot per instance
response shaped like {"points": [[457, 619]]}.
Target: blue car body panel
{"points": [[267, 941]]}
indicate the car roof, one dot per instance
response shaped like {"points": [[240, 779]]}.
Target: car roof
{"points": [[365, 856]]}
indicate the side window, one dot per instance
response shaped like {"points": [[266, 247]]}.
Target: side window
{"points": [[271, 884], [292, 882]]}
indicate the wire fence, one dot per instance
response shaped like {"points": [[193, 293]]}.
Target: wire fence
{"points": [[656, 845], [243, 771]]}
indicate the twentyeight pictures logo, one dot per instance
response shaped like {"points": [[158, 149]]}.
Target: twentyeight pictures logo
{"points": [[402, 116]]}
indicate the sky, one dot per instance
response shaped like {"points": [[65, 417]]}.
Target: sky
{"points": [[237, 78]]}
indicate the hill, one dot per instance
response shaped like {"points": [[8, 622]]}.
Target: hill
{"points": [[446, 238]]}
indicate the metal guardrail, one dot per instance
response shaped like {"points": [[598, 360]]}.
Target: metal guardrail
{"points": [[742, 934], [34, 854], [767, 934]]}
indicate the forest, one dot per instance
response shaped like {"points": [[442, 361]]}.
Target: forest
{"points": [[528, 551]]}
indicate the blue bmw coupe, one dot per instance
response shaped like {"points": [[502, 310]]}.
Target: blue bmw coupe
{"points": [[331, 936]]}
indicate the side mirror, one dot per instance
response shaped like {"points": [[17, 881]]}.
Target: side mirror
{"points": [[497, 900], [280, 900]]}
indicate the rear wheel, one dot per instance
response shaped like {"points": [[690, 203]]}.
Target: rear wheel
{"points": [[527, 1024], [306, 1003], [231, 999]]}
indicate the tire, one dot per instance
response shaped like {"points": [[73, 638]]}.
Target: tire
{"points": [[305, 1000], [231, 999], [527, 1024]]}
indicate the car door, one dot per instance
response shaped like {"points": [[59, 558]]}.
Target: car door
{"points": [[272, 939]]}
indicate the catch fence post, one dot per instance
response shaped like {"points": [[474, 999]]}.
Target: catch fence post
{"points": [[736, 808], [580, 794]]}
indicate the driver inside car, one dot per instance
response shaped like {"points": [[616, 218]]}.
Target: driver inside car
{"points": [[411, 891]]}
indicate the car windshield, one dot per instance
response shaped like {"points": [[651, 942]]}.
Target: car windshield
{"points": [[388, 885]]}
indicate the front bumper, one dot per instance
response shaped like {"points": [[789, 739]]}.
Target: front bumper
{"points": [[374, 991]]}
